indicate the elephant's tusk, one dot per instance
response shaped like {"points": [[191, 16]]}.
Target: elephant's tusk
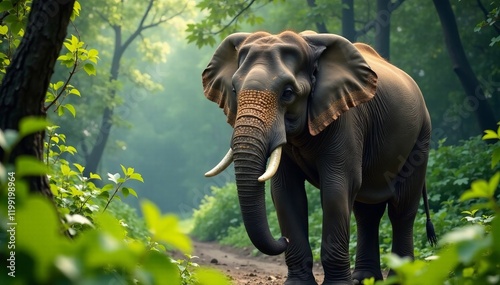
{"points": [[274, 162], [223, 164]]}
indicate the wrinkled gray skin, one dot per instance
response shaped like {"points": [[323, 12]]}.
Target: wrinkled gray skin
{"points": [[349, 122]]}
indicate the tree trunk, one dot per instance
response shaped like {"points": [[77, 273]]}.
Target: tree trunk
{"points": [[25, 84], [94, 157], [348, 29], [383, 28], [320, 26], [473, 90]]}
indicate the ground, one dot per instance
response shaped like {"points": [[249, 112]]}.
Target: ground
{"points": [[243, 267]]}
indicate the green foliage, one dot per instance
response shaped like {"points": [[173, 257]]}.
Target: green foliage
{"points": [[469, 254], [105, 248], [76, 59], [223, 18], [492, 19], [217, 213], [14, 18], [452, 168]]}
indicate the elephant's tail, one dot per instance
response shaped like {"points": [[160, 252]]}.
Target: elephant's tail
{"points": [[431, 234]]}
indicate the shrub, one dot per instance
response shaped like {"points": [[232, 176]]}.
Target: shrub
{"points": [[217, 213], [90, 236], [469, 254], [452, 168]]}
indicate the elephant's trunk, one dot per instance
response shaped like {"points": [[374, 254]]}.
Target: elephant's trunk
{"points": [[251, 193], [251, 145]]}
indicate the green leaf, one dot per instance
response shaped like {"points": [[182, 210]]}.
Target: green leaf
{"points": [[489, 134], [129, 191], [64, 57], [76, 11], [39, 234], [137, 176], [111, 225], [30, 166], [58, 85], [495, 157], [75, 91], [132, 192], [95, 176], [79, 167], [208, 276], [165, 228], [125, 191], [159, 266], [71, 109], [123, 170], [69, 46], [30, 125], [107, 187], [495, 232], [93, 55], [60, 111], [5, 6], [130, 171], [89, 69], [467, 233], [482, 188], [65, 170], [3, 29]]}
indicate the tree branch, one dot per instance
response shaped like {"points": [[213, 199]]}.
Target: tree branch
{"points": [[234, 18], [163, 20], [486, 13], [141, 27], [103, 17]]}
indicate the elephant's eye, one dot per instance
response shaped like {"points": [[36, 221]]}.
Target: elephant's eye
{"points": [[288, 95], [234, 91]]}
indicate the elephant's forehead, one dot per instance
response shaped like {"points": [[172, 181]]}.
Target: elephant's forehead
{"points": [[282, 44], [264, 47]]}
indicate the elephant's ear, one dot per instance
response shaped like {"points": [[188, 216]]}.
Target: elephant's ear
{"points": [[343, 79], [217, 77]]}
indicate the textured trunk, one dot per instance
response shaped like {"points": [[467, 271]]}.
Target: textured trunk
{"points": [[250, 156], [24, 86]]}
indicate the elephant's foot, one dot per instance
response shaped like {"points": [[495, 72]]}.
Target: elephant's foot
{"points": [[337, 282], [301, 281], [359, 275]]}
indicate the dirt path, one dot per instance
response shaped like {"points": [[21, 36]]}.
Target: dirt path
{"points": [[244, 268]]}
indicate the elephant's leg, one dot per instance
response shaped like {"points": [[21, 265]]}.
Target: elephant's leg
{"points": [[367, 251], [290, 201], [403, 207], [336, 234]]}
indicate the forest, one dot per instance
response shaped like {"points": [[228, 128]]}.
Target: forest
{"points": [[105, 136]]}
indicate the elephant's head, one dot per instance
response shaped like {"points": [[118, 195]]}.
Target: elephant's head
{"points": [[274, 87]]}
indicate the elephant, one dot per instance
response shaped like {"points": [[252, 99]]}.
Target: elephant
{"points": [[336, 114]]}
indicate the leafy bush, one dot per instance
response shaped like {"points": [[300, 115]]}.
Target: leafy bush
{"points": [[217, 213], [469, 254], [451, 169], [108, 243]]}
